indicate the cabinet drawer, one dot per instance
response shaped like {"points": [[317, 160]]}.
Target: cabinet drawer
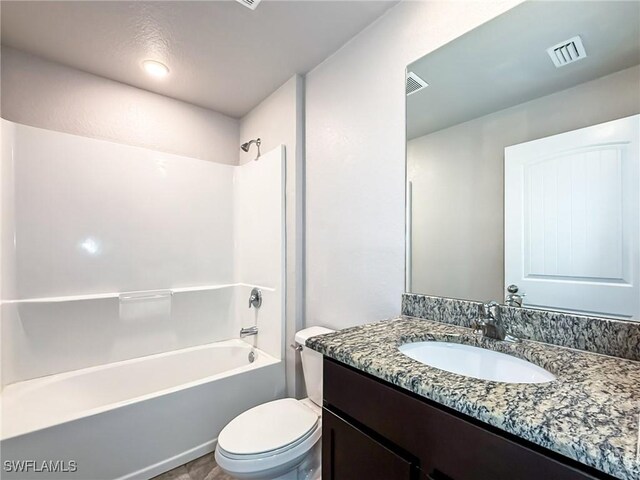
{"points": [[350, 454], [445, 444]]}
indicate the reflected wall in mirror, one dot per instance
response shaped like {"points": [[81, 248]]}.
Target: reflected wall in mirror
{"points": [[523, 159]]}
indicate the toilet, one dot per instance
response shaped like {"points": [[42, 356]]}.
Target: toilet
{"points": [[279, 440]]}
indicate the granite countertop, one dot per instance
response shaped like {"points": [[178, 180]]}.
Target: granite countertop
{"points": [[590, 413]]}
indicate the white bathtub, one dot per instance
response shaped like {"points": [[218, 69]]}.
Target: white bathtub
{"points": [[133, 419]]}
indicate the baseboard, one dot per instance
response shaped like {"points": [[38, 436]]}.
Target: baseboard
{"points": [[173, 462]]}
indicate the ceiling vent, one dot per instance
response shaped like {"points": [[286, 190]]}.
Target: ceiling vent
{"points": [[415, 83], [567, 52], [252, 4]]}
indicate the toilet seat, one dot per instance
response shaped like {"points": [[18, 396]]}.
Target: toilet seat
{"points": [[270, 453], [268, 429], [289, 430]]}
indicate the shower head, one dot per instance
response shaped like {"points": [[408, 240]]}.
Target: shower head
{"points": [[245, 146]]}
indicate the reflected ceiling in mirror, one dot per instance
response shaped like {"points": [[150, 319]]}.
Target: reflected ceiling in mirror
{"points": [[533, 93]]}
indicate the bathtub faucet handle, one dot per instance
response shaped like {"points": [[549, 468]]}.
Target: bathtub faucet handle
{"points": [[255, 300]]}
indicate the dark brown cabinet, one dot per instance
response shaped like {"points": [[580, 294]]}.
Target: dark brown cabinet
{"points": [[372, 426], [433, 476], [348, 454]]}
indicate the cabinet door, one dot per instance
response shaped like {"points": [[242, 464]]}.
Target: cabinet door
{"points": [[434, 475], [350, 454]]}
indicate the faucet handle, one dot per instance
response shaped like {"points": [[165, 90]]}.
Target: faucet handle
{"points": [[255, 300], [477, 326], [490, 309]]}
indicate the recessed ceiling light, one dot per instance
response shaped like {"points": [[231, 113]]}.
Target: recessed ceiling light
{"points": [[155, 69]]}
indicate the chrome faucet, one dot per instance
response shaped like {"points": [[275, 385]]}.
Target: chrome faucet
{"points": [[490, 324], [245, 332], [255, 300]]}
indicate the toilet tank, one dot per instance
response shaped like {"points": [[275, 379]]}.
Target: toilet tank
{"points": [[312, 363]]}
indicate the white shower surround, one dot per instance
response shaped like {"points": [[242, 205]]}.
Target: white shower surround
{"points": [[85, 221], [93, 219]]}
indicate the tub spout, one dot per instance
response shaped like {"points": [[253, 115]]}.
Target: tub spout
{"points": [[245, 332]]}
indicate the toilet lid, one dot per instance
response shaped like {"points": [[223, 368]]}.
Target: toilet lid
{"points": [[267, 427]]}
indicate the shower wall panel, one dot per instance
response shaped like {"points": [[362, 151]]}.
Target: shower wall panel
{"points": [[86, 222]]}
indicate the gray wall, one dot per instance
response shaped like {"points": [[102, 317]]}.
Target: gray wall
{"points": [[457, 176], [355, 160], [49, 95]]}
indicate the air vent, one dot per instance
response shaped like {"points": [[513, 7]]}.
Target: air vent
{"points": [[252, 4], [415, 83], [567, 52]]}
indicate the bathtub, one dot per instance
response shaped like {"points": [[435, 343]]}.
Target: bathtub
{"points": [[132, 419]]}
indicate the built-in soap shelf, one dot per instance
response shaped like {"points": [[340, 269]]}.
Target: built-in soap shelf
{"points": [[135, 295]]}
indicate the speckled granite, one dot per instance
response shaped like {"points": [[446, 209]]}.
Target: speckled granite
{"points": [[590, 413], [594, 334]]}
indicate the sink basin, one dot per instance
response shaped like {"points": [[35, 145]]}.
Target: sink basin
{"points": [[476, 362]]}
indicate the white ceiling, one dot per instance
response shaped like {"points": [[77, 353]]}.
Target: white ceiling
{"points": [[504, 62], [221, 55]]}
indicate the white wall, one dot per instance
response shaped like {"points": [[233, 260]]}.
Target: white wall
{"points": [[355, 163], [273, 120], [461, 170], [49, 95], [7, 222], [277, 120]]}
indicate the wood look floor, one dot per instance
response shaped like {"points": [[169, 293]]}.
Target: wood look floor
{"points": [[203, 468]]}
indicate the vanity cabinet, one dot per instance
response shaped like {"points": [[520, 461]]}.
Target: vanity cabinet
{"points": [[349, 453], [374, 430]]}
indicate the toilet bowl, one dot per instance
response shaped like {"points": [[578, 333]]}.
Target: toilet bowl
{"points": [[279, 440]]}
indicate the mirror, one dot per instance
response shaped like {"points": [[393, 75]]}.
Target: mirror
{"points": [[523, 151]]}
